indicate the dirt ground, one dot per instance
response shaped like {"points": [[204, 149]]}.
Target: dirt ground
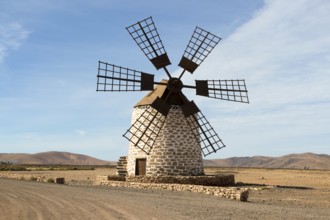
{"points": [[301, 194]]}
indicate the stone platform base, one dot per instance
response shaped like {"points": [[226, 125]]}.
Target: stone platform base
{"points": [[218, 180], [196, 184]]}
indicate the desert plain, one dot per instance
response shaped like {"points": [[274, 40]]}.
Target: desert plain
{"points": [[281, 194]]}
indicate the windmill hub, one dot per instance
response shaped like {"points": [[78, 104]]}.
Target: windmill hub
{"points": [[174, 85], [173, 94]]}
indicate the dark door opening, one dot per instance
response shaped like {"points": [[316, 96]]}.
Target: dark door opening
{"points": [[140, 167]]}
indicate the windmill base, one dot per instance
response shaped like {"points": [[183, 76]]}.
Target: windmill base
{"points": [[176, 152]]}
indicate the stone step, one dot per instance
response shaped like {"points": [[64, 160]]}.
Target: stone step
{"points": [[122, 166], [121, 171]]}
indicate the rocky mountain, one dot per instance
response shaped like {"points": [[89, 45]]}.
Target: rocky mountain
{"points": [[291, 161], [53, 157]]}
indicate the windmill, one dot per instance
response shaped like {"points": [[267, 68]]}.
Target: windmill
{"points": [[169, 133]]}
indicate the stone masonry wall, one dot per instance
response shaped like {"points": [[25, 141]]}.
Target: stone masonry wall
{"points": [[175, 151], [58, 180], [217, 180], [236, 193]]}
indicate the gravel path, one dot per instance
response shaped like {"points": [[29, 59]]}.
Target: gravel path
{"points": [[34, 200]]}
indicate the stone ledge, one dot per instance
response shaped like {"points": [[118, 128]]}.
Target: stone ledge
{"points": [[217, 180], [236, 193], [58, 180]]}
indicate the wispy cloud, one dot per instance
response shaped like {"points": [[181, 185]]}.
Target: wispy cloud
{"points": [[12, 35], [283, 53], [80, 132]]}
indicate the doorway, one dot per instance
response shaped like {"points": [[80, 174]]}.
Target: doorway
{"points": [[140, 167]]}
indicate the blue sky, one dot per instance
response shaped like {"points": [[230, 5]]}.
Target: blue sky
{"points": [[48, 64]]}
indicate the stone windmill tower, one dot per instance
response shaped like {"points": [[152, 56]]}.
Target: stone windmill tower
{"points": [[169, 133]]}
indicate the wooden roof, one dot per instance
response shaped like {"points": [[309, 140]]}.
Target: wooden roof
{"points": [[157, 92]]}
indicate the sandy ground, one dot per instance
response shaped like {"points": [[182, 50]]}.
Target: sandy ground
{"points": [[304, 195], [306, 178]]}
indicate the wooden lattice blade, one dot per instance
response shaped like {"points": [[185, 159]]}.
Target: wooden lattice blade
{"points": [[231, 90], [203, 132], [146, 128], [146, 36], [116, 78], [199, 47]]}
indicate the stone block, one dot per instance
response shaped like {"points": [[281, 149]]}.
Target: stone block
{"points": [[60, 180]]}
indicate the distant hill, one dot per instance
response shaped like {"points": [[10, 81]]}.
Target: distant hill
{"points": [[291, 161], [53, 157]]}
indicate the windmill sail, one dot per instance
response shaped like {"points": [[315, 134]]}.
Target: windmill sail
{"points": [[205, 134], [146, 128], [200, 45], [231, 90], [116, 78], [146, 36], [202, 130]]}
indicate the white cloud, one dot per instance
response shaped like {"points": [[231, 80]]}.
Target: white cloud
{"points": [[283, 53], [12, 35]]}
